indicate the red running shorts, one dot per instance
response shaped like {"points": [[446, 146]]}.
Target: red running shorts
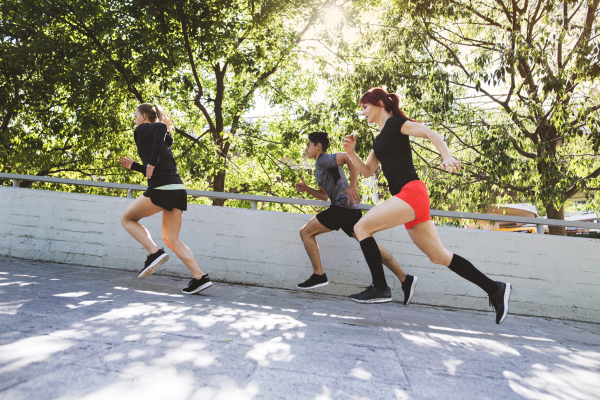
{"points": [[415, 194]]}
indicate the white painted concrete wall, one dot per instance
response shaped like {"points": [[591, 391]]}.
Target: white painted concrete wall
{"points": [[552, 276]]}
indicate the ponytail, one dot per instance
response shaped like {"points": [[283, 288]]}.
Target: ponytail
{"points": [[155, 112], [380, 98]]}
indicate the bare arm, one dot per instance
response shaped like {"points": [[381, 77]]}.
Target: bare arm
{"points": [[352, 191], [319, 194], [449, 163], [343, 158], [372, 163]]}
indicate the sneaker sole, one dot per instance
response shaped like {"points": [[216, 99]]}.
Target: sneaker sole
{"points": [[371, 301], [201, 288], [412, 290], [313, 287], [506, 297], [154, 266]]}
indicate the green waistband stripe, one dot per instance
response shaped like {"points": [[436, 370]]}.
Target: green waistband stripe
{"points": [[175, 186]]}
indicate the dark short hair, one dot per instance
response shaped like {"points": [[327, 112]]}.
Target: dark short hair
{"points": [[319, 137]]}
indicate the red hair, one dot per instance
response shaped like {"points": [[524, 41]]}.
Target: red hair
{"points": [[380, 98]]}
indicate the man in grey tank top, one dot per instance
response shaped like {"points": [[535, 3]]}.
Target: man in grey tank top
{"points": [[342, 214]]}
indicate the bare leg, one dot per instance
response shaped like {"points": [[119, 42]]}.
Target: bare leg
{"points": [[394, 212], [386, 215], [171, 226], [390, 213], [308, 234], [425, 236], [389, 261], [427, 240], [140, 208]]}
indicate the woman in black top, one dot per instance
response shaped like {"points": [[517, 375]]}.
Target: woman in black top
{"points": [[409, 203], [165, 193]]}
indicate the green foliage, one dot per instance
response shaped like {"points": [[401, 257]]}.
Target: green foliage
{"points": [[74, 72], [511, 86], [51, 99], [591, 235]]}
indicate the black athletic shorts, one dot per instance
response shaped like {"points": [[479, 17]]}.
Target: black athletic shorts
{"points": [[336, 217], [168, 199]]}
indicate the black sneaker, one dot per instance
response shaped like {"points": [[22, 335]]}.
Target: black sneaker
{"points": [[153, 262], [197, 285], [314, 281], [408, 287], [499, 301], [373, 295]]}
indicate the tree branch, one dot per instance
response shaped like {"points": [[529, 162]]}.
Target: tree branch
{"points": [[517, 147], [120, 69], [11, 112], [586, 32], [483, 17], [188, 48], [505, 186], [266, 74], [573, 189], [194, 140]]}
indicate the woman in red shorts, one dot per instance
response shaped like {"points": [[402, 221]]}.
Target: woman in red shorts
{"points": [[410, 202]]}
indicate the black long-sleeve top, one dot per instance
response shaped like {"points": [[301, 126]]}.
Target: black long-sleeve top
{"points": [[154, 148]]}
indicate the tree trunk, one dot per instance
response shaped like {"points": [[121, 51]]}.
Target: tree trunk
{"points": [[219, 177], [219, 186], [553, 213]]}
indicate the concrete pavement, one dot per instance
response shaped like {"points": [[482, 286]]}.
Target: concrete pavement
{"points": [[72, 332]]}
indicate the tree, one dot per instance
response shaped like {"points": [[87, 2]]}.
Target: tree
{"points": [[52, 95], [513, 86], [203, 60]]}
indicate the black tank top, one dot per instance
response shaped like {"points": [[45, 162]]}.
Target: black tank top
{"points": [[392, 149]]}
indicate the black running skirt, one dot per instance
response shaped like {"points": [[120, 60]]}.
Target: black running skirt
{"points": [[168, 199]]}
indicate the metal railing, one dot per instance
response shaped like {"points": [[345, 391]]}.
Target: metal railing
{"points": [[254, 199]]}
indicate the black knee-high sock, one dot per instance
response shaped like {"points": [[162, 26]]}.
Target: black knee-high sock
{"points": [[373, 256], [465, 269]]}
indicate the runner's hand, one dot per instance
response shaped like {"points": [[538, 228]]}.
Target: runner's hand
{"points": [[126, 162], [149, 171], [352, 193], [451, 165], [350, 143], [301, 187]]}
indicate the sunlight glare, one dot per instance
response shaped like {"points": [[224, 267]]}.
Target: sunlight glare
{"points": [[31, 350], [72, 294], [360, 373], [451, 365], [442, 328], [334, 16], [274, 349], [555, 382]]}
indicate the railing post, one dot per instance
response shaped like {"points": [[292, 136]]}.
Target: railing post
{"points": [[254, 204], [540, 229], [130, 193], [16, 182]]}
